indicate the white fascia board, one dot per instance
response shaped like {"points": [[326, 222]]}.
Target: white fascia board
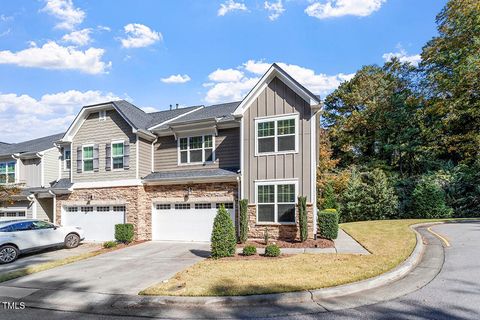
{"points": [[175, 118], [107, 184]]}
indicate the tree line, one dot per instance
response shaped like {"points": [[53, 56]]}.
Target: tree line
{"points": [[401, 140]]}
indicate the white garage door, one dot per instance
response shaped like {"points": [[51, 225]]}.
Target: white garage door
{"points": [[185, 221], [98, 222]]}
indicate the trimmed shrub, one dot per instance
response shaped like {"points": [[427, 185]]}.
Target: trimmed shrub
{"points": [[124, 232], [249, 250], [328, 223], [265, 235], [109, 244], [223, 235], [429, 200], [272, 250], [243, 234], [302, 218]]}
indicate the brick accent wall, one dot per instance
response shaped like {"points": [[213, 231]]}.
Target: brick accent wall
{"points": [[278, 231], [138, 200]]}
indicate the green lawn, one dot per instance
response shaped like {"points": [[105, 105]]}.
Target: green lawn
{"points": [[389, 241]]}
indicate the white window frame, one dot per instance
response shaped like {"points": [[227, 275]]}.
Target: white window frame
{"points": [[275, 120], [65, 158], [123, 155], [83, 156], [180, 163], [7, 172], [16, 211], [102, 115], [275, 203]]}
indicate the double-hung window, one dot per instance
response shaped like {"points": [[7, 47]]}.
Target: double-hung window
{"points": [[276, 202], [7, 172], [198, 149], [87, 158], [117, 155], [67, 159], [277, 134]]}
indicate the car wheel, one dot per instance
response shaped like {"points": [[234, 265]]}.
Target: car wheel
{"points": [[8, 253], [72, 240]]}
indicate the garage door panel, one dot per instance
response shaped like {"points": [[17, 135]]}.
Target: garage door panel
{"points": [[184, 224], [98, 226]]}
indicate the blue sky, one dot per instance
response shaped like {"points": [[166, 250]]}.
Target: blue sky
{"points": [[58, 55]]}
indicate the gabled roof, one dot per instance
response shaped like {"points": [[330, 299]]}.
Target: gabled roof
{"points": [[160, 117], [31, 146], [272, 72]]}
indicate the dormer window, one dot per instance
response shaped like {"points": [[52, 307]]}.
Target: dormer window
{"points": [[197, 149], [102, 115]]}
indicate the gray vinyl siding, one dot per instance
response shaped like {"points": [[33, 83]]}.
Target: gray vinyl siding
{"points": [[30, 172], [278, 99], [144, 157], [45, 209], [93, 131], [227, 152], [50, 165]]}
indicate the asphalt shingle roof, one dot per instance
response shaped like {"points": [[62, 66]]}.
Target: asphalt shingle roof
{"points": [[219, 111], [165, 115], [191, 174], [62, 184], [35, 145]]}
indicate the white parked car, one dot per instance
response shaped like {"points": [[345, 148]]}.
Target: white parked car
{"points": [[21, 236]]}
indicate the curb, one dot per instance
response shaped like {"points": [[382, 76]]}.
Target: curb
{"points": [[291, 297]]}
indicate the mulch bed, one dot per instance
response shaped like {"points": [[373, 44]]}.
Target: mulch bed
{"points": [[319, 243], [257, 256]]}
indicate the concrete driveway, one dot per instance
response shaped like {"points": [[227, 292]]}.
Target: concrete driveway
{"points": [[125, 271], [53, 254]]}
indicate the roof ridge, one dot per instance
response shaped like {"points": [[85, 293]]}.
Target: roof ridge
{"points": [[189, 107]]}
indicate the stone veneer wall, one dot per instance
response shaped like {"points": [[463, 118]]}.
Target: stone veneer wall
{"points": [[138, 200], [278, 231]]}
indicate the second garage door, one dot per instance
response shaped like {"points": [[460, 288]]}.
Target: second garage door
{"points": [[185, 221]]}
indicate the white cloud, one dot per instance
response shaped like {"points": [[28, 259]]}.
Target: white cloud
{"points": [[149, 109], [139, 35], [229, 6], [276, 9], [403, 57], [28, 118], [5, 33], [54, 56], [104, 28], [225, 75], [338, 8], [4, 18], [80, 37], [65, 11], [248, 74], [176, 78]]}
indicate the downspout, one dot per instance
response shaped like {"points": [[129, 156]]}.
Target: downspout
{"points": [[54, 206], [153, 154]]}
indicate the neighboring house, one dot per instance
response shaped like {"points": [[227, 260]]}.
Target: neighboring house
{"points": [[32, 166], [167, 172]]}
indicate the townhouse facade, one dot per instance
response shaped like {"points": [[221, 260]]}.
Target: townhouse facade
{"points": [[168, 172]]}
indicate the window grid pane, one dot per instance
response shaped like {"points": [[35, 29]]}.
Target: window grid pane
{"points": [[117, 149], [286, 193], [286, 127], [208, 141], [203, 205], [196, 142], [266, 129], [183, 143], [266, 194], [88, 153]]}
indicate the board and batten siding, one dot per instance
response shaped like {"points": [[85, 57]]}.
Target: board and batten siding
{"points": [[50, 166], [144, 157], [44, 209], [93, 131], [227, 152], [278, 99]]}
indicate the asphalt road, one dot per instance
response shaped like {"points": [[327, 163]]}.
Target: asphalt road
{"points": [[453, 294]]}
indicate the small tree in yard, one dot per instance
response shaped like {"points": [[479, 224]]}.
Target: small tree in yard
{"points": [[384, 200], [243, 221], [302, 217], [330, 200], [429, 200], [223, 235], [353, 199]]}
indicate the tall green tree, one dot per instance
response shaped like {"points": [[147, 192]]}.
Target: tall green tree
{"points": [[373, 119], [451, 63]]}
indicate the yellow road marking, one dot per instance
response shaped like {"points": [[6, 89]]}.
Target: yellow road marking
{"points": [[445, 241]]}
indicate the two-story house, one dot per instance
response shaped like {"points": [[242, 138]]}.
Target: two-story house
{"points": [[32, 166], [167, 172]]}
